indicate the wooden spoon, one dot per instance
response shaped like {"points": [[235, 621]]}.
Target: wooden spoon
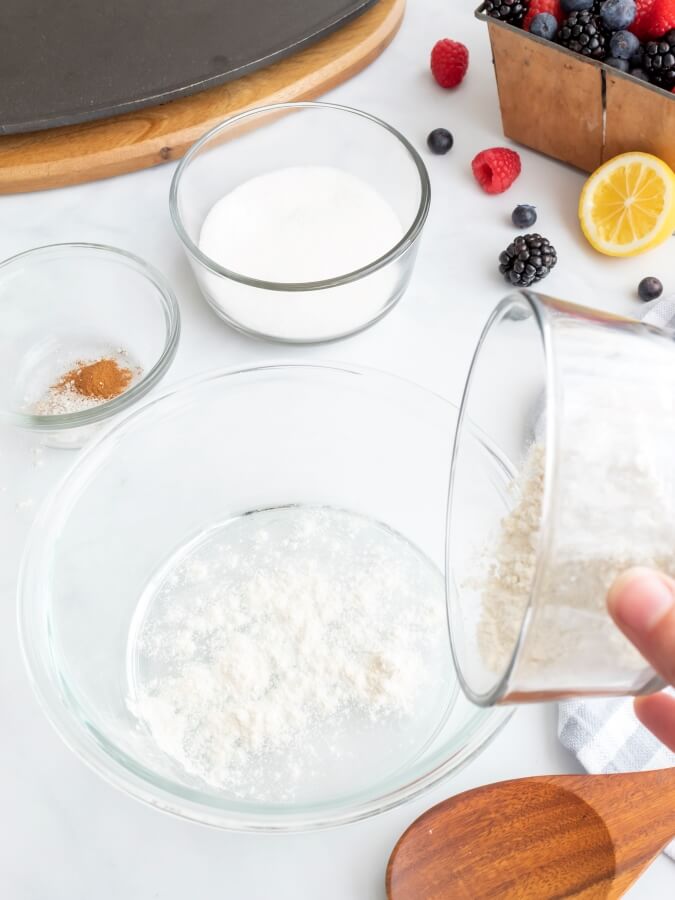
{"points": [[587, 836]]}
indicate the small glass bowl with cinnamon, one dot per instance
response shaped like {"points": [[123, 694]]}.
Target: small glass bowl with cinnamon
{"points": [[86, 330]]}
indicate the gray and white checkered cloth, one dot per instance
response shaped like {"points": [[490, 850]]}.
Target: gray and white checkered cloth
{"points": [[604, 735]]}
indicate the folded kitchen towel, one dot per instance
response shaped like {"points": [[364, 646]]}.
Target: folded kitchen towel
{"points": [[604, 735], [660, 313]]}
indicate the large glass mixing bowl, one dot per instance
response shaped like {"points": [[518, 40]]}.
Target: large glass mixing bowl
{"points": [[216, 447]]}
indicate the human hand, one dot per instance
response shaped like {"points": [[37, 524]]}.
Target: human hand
{"points": [[642, 603]]}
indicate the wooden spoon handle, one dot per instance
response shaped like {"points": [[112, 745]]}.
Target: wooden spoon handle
{"points": [[644, 799], [638, 809], [582, 836]]}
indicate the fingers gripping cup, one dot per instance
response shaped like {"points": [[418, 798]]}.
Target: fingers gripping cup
{"points": [[582, 402]]}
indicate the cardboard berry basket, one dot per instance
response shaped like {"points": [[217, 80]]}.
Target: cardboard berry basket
{"points": [[575, 109]]}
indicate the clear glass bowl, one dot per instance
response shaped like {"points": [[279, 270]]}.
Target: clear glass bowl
{"points": [[64, 303], [217, 447], [592, 393], [302, 134]]}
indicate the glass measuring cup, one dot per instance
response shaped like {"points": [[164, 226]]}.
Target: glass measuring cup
{"points": [[583, 403]]}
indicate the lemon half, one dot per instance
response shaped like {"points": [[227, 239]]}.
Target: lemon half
{"points": [[627, 206]]}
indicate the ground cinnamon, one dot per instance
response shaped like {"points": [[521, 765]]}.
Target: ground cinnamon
{"points": [[100, 380]]}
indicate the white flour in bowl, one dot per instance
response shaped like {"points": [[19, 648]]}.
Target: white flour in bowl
{"points": [[267, 644]]}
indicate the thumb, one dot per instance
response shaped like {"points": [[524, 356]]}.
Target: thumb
{"points": [[642, 603]]}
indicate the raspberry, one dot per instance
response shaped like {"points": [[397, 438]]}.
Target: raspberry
{"points": [[496, 169], [643, 10], [659, 18], [449, 62], [543, 6]]}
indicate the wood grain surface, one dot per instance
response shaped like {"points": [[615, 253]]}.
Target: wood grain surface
{"points": [[582, 112], [574, 836], [638, 118], [137, 140], [563, 116]]}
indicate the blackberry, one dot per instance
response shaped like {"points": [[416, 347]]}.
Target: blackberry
{"points": [[511, 11], [658, 61], [583, 33], [528, 259]]}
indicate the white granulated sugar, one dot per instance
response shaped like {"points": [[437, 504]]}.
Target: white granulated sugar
{"points": [[303, 223], [614, 508], [276, 628], [298, 225]]}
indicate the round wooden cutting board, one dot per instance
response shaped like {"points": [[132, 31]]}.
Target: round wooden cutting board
{"points": [[73, 154]]}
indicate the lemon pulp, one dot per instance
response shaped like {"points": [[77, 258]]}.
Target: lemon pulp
{"points": [[627, 206]]}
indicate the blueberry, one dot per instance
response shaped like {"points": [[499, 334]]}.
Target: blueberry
{"points": [[524, 216], [622, 64], [617, 14], [576, 5], [639, 73], [624, 45], [649, 289], [544, 25], [440, 140]]}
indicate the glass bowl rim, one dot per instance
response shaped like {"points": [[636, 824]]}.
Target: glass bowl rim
{"points": [[86, 744], [392, 254], [540, 313], [169, 303], [543, 310]]}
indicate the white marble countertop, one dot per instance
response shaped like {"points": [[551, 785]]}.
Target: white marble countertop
{"points": [[66, 835]]}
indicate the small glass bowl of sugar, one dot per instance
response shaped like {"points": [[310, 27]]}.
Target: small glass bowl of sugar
{"points": [[306, 227], [581, 405]]}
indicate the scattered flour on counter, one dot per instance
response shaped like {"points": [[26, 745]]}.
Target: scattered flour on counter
{"points": [[37, 455], [277, 626]]}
